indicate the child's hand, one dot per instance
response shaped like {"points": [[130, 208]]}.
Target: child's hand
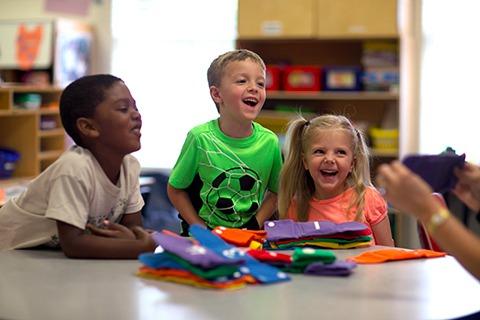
{"points": [[112, 230], [144, 236]]}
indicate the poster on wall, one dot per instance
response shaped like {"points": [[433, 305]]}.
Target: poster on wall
{"points": [[25, 45], [73, 44]]}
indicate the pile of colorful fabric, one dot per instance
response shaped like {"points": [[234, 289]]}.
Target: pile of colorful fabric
{"points": [[303, 260], [205, 261], [310, 261], [287, 234]]}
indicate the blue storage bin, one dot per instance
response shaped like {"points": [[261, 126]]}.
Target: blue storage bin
{"points": [[8, 160], [341, 78]]}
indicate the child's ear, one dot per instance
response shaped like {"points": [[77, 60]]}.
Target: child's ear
{"points": [[305, 164], [352, 165], [87, 128], [215, 94]]}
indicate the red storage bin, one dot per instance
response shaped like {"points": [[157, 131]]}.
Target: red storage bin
{"points": [[274, 76], [301, 78]]}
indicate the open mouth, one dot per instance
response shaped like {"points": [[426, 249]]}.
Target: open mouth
{"points": [[250, 102], [329, 173], [137, 129]]}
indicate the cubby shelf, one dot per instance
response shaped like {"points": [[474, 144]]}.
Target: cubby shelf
{"points": [[20, 130]]}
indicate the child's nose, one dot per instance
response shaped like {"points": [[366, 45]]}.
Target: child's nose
{"points": [[252, 87], [329, 157], [136, 114]]}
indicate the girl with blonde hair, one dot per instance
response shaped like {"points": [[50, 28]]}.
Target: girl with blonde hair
{"points": [[326, 176]]}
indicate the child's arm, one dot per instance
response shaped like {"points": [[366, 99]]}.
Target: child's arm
{"points": [[131, 220], [268, 207], [76, 243], [181, 201], [383, 233]]}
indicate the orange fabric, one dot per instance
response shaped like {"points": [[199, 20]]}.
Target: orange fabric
{"points": [[186, 277], [240, 237], [384, 255]]}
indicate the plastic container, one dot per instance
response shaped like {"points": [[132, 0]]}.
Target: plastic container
{"points": [[28, 100], [384, 139], [301, 78], [8, 160]]}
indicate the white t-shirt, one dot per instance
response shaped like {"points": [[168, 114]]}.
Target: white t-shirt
{"points": [[75, 190]]}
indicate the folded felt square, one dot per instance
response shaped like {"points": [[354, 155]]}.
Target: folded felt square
{"points": [[337, 268], [289, 229], [436, 170]]}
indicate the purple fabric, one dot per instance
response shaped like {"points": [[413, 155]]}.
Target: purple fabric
{"points": [[289, 229], [436, 170], [193, 253], [338, 268]]}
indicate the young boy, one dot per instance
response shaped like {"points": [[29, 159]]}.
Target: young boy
{"points": [[227, 172], [77, 202]]}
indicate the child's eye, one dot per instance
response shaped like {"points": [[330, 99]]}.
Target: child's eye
{"points": [[342, 152], [261, 84], [318, 151], [241, 81]]}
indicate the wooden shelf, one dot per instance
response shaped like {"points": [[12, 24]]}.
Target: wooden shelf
{"points": [[20, 129], [46, 111], [328, 95], [51, 133], [49, 155]]}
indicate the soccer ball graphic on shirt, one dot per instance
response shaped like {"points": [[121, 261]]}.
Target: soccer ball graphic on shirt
{"points": [[234, 192]]}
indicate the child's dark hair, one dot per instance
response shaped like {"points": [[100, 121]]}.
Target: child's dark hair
{"points": [[80, 99]]}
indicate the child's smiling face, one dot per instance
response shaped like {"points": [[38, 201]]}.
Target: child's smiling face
{"points": [[118, 121], [241, 93], [329, 160]]}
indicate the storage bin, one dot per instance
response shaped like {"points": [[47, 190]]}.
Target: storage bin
{"points": [[301, 78], [274, 77], [341, 78], [384, 139], [8, 160]]}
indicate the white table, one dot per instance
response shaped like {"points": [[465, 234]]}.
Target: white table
{"points": [[45, 285]]}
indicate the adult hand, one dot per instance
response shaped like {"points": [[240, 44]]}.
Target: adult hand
{"points": [[406, 191], [468, 186], [112, 230]]}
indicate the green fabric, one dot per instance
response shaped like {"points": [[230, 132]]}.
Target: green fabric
{"points": [[223, 165], [212, 273], [304, 256]]}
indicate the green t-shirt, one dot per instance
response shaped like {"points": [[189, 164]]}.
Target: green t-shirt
{"points": [[234, 173]]}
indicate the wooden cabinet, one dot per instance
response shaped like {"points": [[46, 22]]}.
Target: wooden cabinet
{"points": [[317, 18], [35, 132], [276, 18], [353, 18], [342, 28]]}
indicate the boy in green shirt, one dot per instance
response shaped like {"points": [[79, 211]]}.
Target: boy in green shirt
{"points": [[227, 172]]}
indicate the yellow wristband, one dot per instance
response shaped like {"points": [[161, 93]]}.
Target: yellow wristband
{"points": [[437, 219]]}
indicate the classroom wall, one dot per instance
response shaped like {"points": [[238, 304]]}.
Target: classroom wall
{"points": [[98, 16]]}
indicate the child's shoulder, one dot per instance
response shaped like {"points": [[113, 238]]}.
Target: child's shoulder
{"points": [[373, 197], [204, 127], [76, 157], [264, 132]]}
